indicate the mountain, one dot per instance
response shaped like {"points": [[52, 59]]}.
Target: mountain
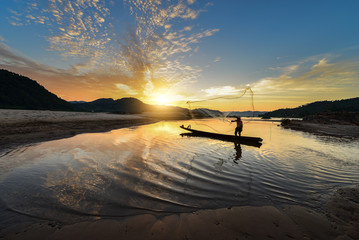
{"points": [[19, 92], [123, 105], [246, 114], [205, 113], [77, 102], [349, 105]]}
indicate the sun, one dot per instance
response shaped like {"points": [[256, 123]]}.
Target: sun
{"points": [[163, 99]]}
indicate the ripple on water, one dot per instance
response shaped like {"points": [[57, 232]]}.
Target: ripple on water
{"points": [[152, 168]]}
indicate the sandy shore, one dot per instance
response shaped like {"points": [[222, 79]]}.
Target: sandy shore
{"points": [[336, 130], [20, 127], [339, 220]]}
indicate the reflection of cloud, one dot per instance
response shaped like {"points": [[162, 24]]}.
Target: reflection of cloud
{"points": [[151, 54]]}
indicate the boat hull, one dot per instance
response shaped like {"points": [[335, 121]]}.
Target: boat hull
{"points": [[240, 139]]}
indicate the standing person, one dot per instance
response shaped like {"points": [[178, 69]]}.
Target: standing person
{"points": [[239, 127]]}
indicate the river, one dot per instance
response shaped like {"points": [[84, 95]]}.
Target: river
{"points": [[152, 168]]}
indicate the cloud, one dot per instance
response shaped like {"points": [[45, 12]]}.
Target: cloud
{"points": [[321, 63], [221, 91], [188, 28], [9, 58], [312, 81], [126, 88], [290, 69], [217, 59], [72, 83], [148, 55]]}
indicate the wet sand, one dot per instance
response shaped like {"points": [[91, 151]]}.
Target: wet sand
{"points": [[339, 219]]}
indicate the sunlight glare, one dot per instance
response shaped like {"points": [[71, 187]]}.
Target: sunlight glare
{"points": [[163, 99]]}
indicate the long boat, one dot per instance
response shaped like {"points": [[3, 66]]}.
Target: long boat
{"points": [[254, 141]]}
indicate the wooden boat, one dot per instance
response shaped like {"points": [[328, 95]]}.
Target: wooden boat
{"points": [[253, 141]]}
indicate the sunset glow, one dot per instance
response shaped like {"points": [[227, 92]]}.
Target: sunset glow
{"points": [[163, 99], [85, 50]]}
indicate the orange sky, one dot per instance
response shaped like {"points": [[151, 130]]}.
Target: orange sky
{"points": [[171, 52]]}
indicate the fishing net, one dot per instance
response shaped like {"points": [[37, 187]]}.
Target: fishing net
{"points": [[234, 105]]}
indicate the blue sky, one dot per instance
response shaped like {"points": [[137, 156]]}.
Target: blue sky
{"points": [[168, 52]]}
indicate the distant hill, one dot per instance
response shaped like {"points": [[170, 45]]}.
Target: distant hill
{"points": [[349, 105], [205, 113], [246, 114], [133, 105], [121, 106], [19, 92], [125, 106]]}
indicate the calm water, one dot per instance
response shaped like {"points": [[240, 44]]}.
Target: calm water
{"points": [[152, 168]]}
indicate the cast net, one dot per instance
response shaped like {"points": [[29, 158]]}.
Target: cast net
{"points": [[205, 116]]}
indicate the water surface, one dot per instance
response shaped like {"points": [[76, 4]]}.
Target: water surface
{"points": [[151, 168]]}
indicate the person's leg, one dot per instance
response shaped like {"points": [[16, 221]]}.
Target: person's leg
{"points": [[240, 131]]}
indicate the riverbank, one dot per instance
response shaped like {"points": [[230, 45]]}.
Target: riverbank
{"points": [[338, 221], [329, 129], [22, 127]]}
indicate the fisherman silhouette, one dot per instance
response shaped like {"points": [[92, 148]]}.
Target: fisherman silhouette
{"points": [[239, 127]]}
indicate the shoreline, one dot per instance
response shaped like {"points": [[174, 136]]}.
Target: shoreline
{"points": [[334, 130], [24, 127]]}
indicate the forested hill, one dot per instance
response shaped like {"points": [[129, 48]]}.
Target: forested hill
{"points": [[123, 105], [19, 92], [350, 105]]}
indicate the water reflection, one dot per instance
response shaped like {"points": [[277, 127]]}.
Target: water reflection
{"points": [[152, 168], [238, 152]]}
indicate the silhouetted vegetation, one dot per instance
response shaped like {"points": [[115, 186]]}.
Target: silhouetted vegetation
{"points": [[347, 105], [246, 113], [285, 121], [19, 92]]}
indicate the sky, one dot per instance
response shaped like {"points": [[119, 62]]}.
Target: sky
{"points": [[231, 55]]}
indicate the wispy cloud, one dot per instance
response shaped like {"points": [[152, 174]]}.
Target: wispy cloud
{"points": [[72, 83], [319, 80], [217, 59], [126, 88], [151, 55], [222, 91], [322, 63], [10, 58]]}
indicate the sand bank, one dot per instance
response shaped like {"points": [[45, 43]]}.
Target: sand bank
{"points": [[335, 130], [18, 127], [338, 221]]}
